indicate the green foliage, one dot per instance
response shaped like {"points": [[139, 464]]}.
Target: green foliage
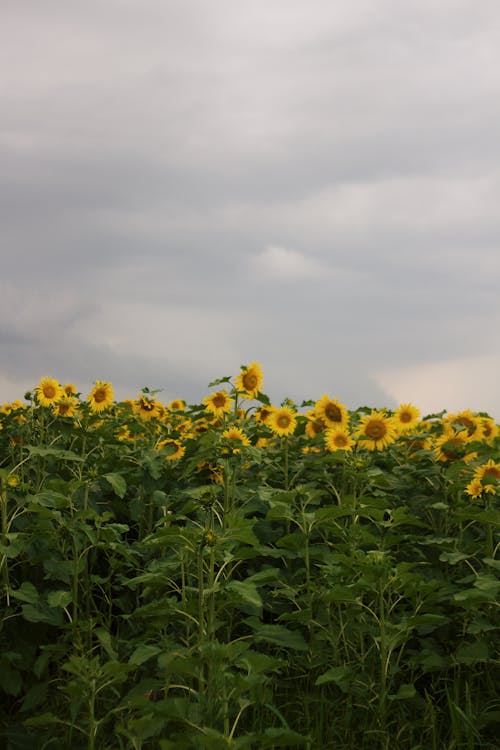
{"points": [[257, 598]]}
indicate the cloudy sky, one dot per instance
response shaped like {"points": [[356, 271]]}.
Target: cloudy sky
{"points": [[191, 185]]}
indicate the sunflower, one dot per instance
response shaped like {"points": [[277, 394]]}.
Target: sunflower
{"points": [[178, 404], [331, 411], [315, 424], [283, 421], [249, 381], [101, 396], [69, 389], [376, 431], [406, 417], [218, 403], [452, 446], [262, 414], [236, 438], [475, 489], [489, 475], [147, 408], [173, 447], [66, 407], [468, 421], [490, 429], [338, 439], [48, 391]]}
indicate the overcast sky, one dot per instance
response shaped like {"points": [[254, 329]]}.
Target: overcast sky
{"points": [[191, 185]]}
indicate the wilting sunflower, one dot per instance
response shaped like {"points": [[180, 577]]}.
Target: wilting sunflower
{"points": [[406, 417], [376, 431], [235, 439], [249, 381], [173, 449], [283, 421], [332, 411], [338, 439], [48, 391], [218, 403], [101, 396], [315, 424]]}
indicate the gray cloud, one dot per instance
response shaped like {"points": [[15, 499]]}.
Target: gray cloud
{"points": [[189, 186]]}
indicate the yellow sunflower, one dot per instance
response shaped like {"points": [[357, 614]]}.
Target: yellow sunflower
{"points": [[468, 420], [406, 417], [249, 381], [218, 403], [69, 389], [283, 421], [452, 446], [475, 489], [376, 431], [174, 449], [235, 438], [489, 476], [315, 424], [48, 391], [178, 404], [331, 411], [262, 414], [490, 429], [147, 408], [338, 439], [101, 396], [66, 407]]}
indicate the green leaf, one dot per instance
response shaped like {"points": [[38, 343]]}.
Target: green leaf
{"points": [[144, 652], [279, 635], [59, 598], [472, 653], [247, 591], [405, 692], [34, 450], [26, 593], [118, 484], [341, 676], [452, 557]]}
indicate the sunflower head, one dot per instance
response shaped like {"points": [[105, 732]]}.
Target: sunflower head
{"points": [[233, 439], [48, 391], [173, 449], [178, 404], [406, 417], [218, 403], [315, 424], [101, 396], [452, 445], [66, 407], [333, 413], [283, 421], [147, 407], [249, 381], [376, 431], [338, 439]]}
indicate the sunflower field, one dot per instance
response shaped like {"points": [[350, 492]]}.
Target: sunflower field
{"points": [[238, 574]]}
